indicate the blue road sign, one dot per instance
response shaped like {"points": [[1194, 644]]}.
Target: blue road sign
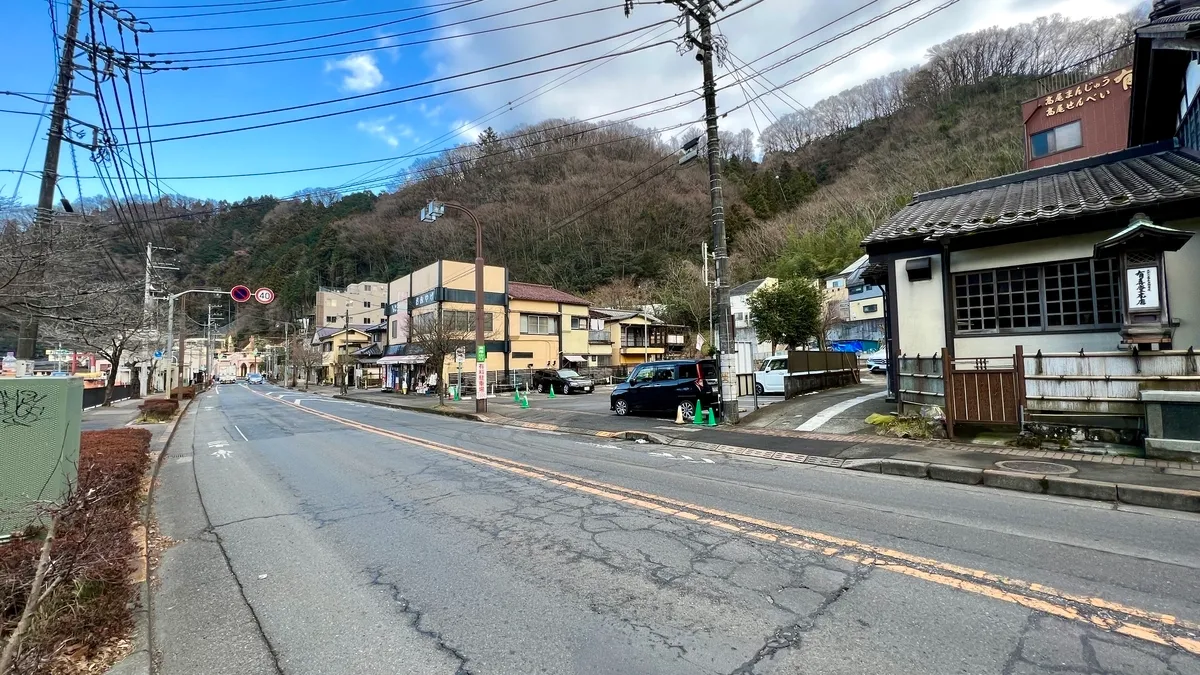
{"points": [[158, 355]]}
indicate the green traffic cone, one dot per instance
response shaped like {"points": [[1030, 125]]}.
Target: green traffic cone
{"points": [[712, 417], [698, 414], [517, 394], [552, 392], [524, 401]]}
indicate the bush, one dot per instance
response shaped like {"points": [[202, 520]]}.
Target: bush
{"points": [[88, 607], [159, 408]]}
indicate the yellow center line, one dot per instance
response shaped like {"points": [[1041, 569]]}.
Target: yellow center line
{"points": [[1162, 629]]}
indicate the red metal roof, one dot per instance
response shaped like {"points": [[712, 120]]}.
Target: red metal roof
{"points": [[522, 291]]}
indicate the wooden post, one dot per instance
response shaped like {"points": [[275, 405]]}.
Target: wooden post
{"points": [[1019, 366], [948, 388]]}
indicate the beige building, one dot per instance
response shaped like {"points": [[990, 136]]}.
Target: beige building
{"points": [[364, 301]]}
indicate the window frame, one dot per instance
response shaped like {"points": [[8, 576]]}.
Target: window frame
{"points": [[1053, 135], [1114, 284], [551, 324]]}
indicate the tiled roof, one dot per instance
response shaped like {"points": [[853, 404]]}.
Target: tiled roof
{"points": [[1171, 22], [522, 291], [746, 288], [1125, 179]]}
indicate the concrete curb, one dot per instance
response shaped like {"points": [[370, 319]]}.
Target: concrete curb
{"points": [[138, 662], [474, 417], [1139, 495]]}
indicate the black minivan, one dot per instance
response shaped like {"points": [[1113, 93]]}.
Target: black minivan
{"points": [[663, 386]]}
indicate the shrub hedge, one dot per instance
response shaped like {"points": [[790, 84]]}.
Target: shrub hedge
{"points": [[89, 608]]}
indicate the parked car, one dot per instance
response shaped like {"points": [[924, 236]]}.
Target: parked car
{"points": [[768, 379], [663, 386], [254, 378], [877, 362], [564, 381], [227, 379]]}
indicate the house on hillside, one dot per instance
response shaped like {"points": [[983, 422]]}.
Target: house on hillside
{"points": [[860, 313], [338, 346], [1083, 266], [636, 337], [744, 335], [364, 302]]}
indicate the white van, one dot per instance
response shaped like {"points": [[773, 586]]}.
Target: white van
{"points": [[769, 378]]}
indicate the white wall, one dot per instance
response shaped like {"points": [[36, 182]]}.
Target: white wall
{"points": [[921, 318], [1183, 287], [1028, 252], [1053, 343]]}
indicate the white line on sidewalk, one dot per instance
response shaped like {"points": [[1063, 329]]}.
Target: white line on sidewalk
{"points": [[817, 421], [241, 434]]}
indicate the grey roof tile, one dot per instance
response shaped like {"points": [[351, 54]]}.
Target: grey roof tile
{"points": [[1087, 186]]}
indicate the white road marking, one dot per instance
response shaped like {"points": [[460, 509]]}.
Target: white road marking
{"points": [[223, 454], [241, 434], [217, 444], [183, 460], [820, 419], [685, 458]]}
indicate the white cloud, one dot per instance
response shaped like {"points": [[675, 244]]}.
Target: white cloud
{"points": [[465, 131], [387, 130], [362, 73], [644, 76], [387, 44]]}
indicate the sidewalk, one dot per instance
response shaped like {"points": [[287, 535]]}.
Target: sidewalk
{"points": [[1133, 480], [115, 416]]}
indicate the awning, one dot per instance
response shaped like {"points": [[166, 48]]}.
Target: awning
{"points": [[405, 359], [574, 359]]}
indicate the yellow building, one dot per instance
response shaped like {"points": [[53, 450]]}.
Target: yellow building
{"points": [[337, 346], [445, 288], [636, 337], [547, 328]]}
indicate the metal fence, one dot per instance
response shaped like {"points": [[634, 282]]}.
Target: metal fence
{"points": [[817, 362], [1104, 382], [95, 397]]}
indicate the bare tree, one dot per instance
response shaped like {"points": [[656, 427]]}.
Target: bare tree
{"points": [[306, 357], [683, 291], [437, 335], [830, 319], [113, 326]]}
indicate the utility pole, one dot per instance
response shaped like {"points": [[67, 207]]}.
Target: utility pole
{"points": [[345, 350], [724, 318], [27, 337], [182, 351]]}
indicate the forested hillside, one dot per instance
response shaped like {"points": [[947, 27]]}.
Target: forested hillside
{"points": [[604, 209]]}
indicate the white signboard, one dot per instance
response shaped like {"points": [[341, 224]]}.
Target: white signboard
{"points": [[481, 379], [460, 355], [1141, 288]]}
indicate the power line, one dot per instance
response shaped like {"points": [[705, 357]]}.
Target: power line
{"points": [[854, 51], [530, 95], [399, 101], [232, 11], [445, 7], [217, 4], [380, 43]]}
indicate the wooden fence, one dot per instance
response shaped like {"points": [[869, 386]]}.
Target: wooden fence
{"points": [[1004, 389], [1104, 382], [819, 362]]}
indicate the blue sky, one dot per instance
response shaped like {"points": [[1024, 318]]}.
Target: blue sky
{"points": [[402, 128]]}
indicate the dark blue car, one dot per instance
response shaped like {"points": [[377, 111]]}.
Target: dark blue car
{"points": [[664, 386]]}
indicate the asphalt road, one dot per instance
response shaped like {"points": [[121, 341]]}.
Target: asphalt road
{"points": [[323, 536]]}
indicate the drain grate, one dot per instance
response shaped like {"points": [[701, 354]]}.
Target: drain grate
{"points": [[1045, 468]]}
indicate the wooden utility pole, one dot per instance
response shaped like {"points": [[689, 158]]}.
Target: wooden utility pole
{"points": [[27, 339], [182, 350], [345, 350]]}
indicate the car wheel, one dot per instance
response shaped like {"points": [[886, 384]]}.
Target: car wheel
{"points": [[759, 389], [566, 389], [541, 387], [689, 409], [621, 407]]}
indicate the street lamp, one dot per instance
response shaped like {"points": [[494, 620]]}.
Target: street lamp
{"points": [[429, 214]]}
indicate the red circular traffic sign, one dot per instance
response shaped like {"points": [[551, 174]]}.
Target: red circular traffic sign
{"points": [[265, 296], [239, 293]]}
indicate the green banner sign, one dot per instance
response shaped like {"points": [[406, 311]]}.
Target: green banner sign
{"points": [[481, 353]]}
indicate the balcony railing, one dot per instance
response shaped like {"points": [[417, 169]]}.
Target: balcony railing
{"points": [[599, 337]]}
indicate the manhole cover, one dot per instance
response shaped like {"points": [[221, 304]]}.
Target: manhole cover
{"points": [[1046, 468]]}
